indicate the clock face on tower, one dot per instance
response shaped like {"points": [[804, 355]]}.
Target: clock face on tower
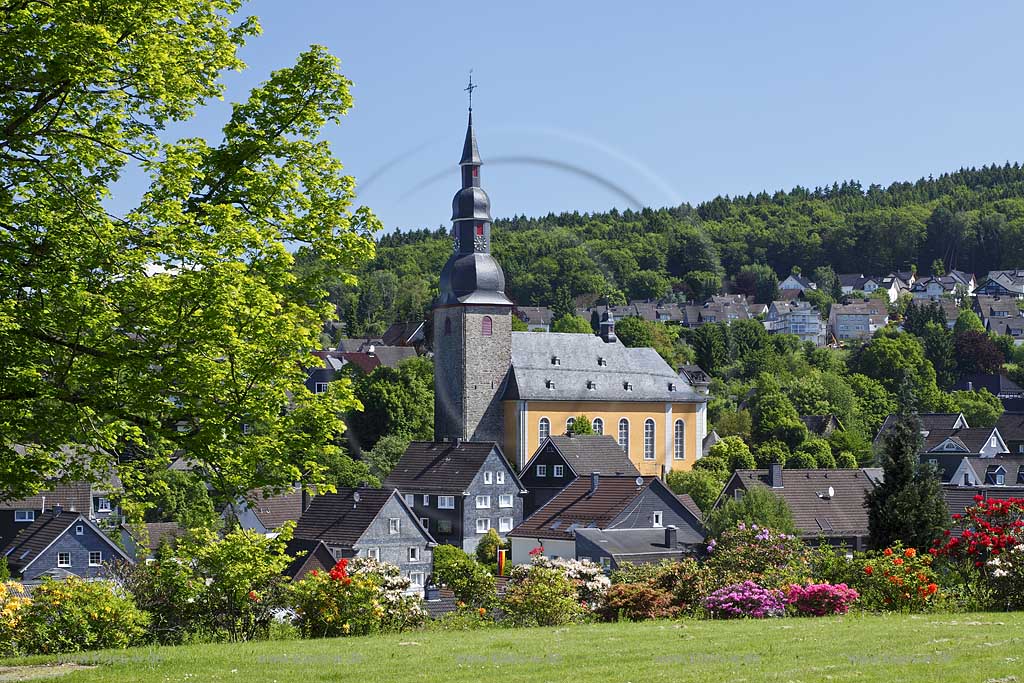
{"points": [[479, 243]]}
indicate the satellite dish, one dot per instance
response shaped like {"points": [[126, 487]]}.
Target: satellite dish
{"points": [[639, 481], [831, 492]]}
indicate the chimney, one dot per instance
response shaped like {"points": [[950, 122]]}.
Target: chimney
{"points": [[671, 534], [305, 499], [458, 442], [775, 475], [57, 509], [970, 386], [431, 593], [595, 477]]}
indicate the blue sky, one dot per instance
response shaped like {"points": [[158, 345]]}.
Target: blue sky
{"points": [[589, 105]]}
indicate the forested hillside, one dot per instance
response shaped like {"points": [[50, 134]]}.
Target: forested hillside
{"points": [[972, 220]]}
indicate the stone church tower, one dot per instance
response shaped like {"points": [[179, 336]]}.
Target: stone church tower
{"points": [[472, 325]]}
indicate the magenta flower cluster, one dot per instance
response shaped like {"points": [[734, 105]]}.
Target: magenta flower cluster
{"points": [[821, 599], [745, 599]]}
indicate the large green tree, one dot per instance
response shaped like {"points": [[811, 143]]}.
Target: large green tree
{"points": [[396, 401], [169, 323]]}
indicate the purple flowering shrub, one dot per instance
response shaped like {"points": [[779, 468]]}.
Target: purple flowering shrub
{"points": [[821, 599], [758, 554], [745, 599]]}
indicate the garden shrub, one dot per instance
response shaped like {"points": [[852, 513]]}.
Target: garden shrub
{"points": [[464, 618], [13, 600], [538, 595], [637, 602], [746, 599], [402, 611], [687, 581], [170, 592], [72, 615], [464, 576], [587, 577], [821, 599], [897, 579], [751, 552]]}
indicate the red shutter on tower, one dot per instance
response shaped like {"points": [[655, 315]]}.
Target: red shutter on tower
{"points": [[479, 229]]}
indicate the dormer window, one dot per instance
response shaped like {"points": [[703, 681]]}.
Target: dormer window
{"points": [[549, 384], [602, 362], [671, 386], [628, 386], [591, 385], [555, 360]]}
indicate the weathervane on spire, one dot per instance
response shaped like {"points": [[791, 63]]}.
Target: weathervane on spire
{"points": [[470, 88]]}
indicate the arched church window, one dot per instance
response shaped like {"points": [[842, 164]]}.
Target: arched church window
{"points": [[544, 429], [486, 325]]}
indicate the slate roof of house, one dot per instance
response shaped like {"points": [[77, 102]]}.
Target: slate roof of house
{"points": [[339, 520], [1013, 327], [1011, 426], [273, 511], [441, 466], [574, 507], [40, 534], [631, 374], [973, 439], [709, 440], [1013, 468], [787, 295], [160, 532], [73, 497], [802, 281], [987, 306], [690, 504], [875, 311], [995, 383], [404, 334], [538, 315], [929, 422], [820, 424], [310, 555], [592, 453], [843, 513], [642, 545]]}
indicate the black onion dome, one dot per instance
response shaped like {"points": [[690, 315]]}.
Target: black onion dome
{"points": [[473, 279], [471, 203]]}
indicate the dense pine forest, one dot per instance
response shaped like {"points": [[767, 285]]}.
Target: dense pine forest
{"points": [[972, 220]]}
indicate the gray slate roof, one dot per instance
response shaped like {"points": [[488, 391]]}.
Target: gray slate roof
{"points": [[534, 375], [639, 545], [40, 534], [441, 466], [338, 519], [593, 453]]}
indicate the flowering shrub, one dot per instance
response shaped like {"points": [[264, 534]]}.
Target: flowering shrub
{"points": [[401, 610], [542, 595], [13, 600], [637, 602], [686, 581], [588, 577], [756, 554], [464, 618], [745, 599], [821, 599], [170, 591], [73, 614], [897, 579], [990, 546]]}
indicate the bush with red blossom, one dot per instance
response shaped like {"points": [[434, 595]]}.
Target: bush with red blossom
{"points": [[821, 599]]}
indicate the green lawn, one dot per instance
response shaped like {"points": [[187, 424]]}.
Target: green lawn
{"points": [[935, 648]]}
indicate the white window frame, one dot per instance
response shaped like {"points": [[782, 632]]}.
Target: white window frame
{"points": [[79, 530], [60, 559], [426, 500], [569, 422], [373, 553], [542, 470], [99, 560], [483, 502], [657, 519], [597, 424], [499, 478], [558, 471], [416, 579], [504, 525], [414, 554], [488, 477], [543, 429], [623, 434], [446, 502], [606, 562], [103, 504], [505, 500], [679, 445], [425, 523], [24, 516], [483, 525], [650, 433], [410, 499], [320, 388], [394, 525]]}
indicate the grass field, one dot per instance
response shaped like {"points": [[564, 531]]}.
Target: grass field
{"points": [[937, 648]]}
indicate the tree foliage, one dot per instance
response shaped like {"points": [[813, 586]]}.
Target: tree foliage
{"points": [[396, 401], [758, 505]]}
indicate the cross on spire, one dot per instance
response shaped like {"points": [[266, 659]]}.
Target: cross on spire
{"points": [[470, 88]]}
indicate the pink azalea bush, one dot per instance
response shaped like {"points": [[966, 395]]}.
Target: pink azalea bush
{"points": [[745, 599], [821, 599]]}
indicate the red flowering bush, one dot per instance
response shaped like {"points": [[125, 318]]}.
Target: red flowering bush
{"points": [[990, 546], [821, 599], [897, 579]]}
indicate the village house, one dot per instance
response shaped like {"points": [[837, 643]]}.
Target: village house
{"points": [[935, 287], [858, 320], [94, 500], [537, 318], [1011, 428], [798, 318], [798, 282], [1003, 283]]}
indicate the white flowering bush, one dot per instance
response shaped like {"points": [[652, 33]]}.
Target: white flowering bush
{"points": [[401, 610], [590, 580], [1007, 576]]}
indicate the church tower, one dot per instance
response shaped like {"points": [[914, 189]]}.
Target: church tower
{"points": [[472, 319]]}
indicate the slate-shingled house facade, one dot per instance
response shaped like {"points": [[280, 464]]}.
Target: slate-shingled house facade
{"points": [[60, 543], [459, 490]]}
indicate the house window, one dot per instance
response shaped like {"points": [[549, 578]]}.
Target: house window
{"points": [[505, 500], [1000, 478], [992, 442], [679, 445], [555, 360], [505, 524], [624, 434], [416, 579], [373, 553], [426, 500], [483, 525], [446, 502], [444, 526], [63, 559], [602, 362], [394, 525], [656, 518], [738, 494], [500, 477], [649, 439], [544, 429], [542, 470], [320, 388], [606, 562], [628, 386], [414, 554], [425, 522], [95, 558], [569, 423], [80, 530], [246, 428], [483, 502], [967, 479], [486, 325], [447, 326], [410, 499], [488, 477], [598, 425], [336, 552], [558, 470], [24, 515]]}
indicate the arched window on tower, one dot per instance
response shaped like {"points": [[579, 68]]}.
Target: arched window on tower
{"points": [[486, 325], [598, 425], [624, 434], [543, 429], [447, 326], [569, 423], [648, 439], [679, 445]]}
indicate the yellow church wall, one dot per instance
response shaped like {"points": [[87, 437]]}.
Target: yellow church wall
{"points": [[522, 423]]}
